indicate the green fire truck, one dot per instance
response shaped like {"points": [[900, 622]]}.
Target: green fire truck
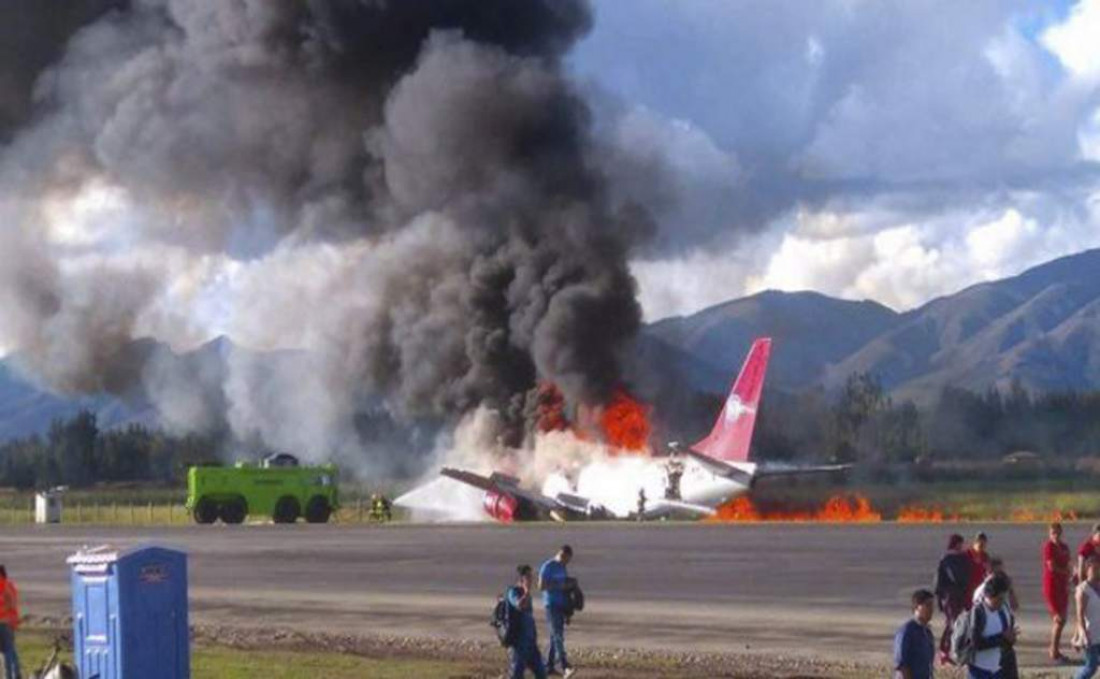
{"points": [[277, 487]]}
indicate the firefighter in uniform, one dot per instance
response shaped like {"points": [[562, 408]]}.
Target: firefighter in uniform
{"points": [[380, 510], [674, 471]]}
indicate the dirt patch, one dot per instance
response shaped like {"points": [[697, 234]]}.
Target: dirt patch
{"points": [[489, 659]]}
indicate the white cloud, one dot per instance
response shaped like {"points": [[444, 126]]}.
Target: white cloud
{"points": [[1075, 40], [896, 152], [1088, 136], [901, 264], [698, 279]]}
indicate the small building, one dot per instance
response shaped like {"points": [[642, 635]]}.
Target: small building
{"points": [[1023, 459], [47, 506]]}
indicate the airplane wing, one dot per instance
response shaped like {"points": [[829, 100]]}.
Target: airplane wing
{"points": [[469, 478], [772, 472], [720, 468], [729, 471], [503, 483], [663, 508]]}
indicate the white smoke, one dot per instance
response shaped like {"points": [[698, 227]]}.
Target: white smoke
{"points": [[550, 462]]}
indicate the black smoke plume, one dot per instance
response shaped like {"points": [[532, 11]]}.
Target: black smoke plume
{"points": [[410, 187]]}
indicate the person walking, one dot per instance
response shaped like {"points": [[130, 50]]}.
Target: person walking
{"points": [[991, 628], [979, 564], [1087, 550], [553, 582], [1010, 604], [1057, 576], [997, 567], [914, 643], [1087, 637], [951, 586], [9, 622], [524, 654]]}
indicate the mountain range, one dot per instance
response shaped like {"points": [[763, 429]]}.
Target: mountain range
{"points": [[1040, 328]]}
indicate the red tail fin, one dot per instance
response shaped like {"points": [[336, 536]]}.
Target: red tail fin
{"points": [[732, 433]]}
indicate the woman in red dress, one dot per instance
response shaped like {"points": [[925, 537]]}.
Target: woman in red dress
{"points": [[1056, 586]]}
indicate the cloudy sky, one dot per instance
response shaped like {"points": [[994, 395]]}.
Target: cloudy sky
{"points": [[892, 151]]}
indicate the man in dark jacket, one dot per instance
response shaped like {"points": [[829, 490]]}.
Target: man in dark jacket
{"points": [[952, 587]]}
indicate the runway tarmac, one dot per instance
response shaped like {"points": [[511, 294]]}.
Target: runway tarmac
{"points": [[826, 591]]}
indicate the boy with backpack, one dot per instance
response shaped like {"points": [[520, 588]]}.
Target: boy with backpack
{"points": [[980, 636], [515, 624]]}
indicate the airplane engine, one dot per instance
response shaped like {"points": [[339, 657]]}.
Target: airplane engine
{"points": [[508, 508]]}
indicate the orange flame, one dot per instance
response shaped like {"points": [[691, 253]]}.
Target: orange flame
{"points": [[625, 423], [1030, 516], [837, 509], [915, 514]]}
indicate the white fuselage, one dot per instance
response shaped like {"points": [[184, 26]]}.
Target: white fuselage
{"points": [[615, 484]]}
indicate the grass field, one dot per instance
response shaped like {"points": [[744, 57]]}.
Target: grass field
{"points": [[112, 506], [1003, 500], [219, 662], [1018, 499]]}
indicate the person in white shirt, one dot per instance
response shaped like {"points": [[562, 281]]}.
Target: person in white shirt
{"points": [[994, 628], [1088, 618]]}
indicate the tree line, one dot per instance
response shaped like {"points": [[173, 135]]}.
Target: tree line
{"points": [[861, 424], [77, 453], [864, 424]]}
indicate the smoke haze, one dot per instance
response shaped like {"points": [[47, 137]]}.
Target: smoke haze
{"points": [[406, 195]]}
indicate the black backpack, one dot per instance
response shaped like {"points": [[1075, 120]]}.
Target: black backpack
{"points": [[574, 600], [504, 621]]}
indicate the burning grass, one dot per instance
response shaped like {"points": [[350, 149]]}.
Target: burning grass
{"points": [[856, 508], [837, 509]]}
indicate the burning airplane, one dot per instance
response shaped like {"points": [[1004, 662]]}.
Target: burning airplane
{"points": [[695, 481]]}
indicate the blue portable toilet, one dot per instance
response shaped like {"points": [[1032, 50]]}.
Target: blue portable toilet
{"points": [[130, 614]]}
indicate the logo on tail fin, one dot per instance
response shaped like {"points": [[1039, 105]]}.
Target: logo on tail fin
{"points": [[731, 437], [735, 409]]}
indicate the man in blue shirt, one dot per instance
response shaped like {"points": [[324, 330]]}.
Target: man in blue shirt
{"points": [[553, 578], [914, 645], [525, 654]]}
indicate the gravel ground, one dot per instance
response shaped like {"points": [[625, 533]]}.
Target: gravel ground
{"points": [[687, 600]]}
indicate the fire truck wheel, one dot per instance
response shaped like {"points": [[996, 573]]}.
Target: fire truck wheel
{"points": [[234, 511], [318, 509], [206, 511], [287, 510]]}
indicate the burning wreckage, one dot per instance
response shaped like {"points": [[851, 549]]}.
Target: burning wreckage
{"points": [[696, 481]]}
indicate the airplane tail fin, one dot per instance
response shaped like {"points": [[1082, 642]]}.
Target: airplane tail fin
{"points": [[732, 434]]}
